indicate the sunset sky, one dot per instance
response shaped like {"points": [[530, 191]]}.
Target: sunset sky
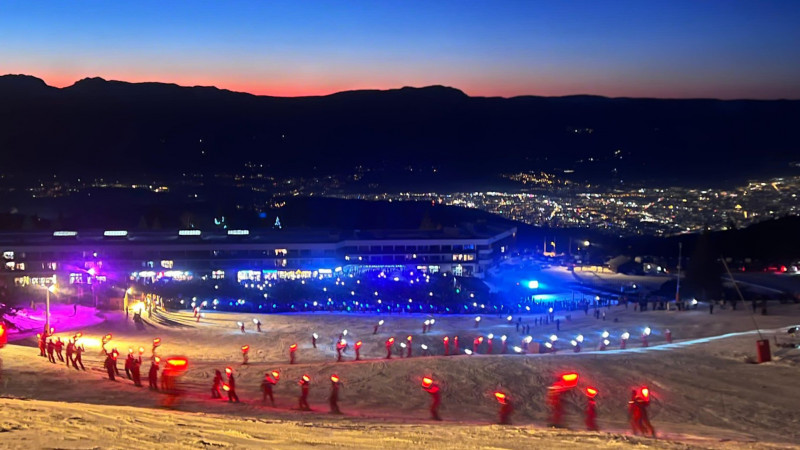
{"points": [[645, 48]]}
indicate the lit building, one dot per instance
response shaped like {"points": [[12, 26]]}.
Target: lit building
{"points": [[86, 257]]}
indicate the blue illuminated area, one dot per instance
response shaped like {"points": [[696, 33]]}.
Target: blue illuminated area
{"points": [[533, 284]]}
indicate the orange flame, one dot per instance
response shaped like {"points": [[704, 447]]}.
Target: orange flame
{"points": [[426, 382], [334, 378], [569, 376], [591, 392]]}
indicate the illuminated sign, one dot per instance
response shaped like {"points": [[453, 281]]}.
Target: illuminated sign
{"points": [[189, 233], [64, 233], [115, 233], [238, 232]]}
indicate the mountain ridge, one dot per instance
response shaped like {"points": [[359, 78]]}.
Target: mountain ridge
{"points": [[105, 127]]}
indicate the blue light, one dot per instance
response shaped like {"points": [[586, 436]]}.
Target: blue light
{"points": [[533, 284], [262, 215]]}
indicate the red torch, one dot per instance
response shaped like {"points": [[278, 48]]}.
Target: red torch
{"points": [[292, 350]]}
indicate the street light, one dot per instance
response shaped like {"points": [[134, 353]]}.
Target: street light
{"points": [[52, 288]]}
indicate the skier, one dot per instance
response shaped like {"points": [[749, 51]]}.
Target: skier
{"points": [[136, 365], [267, 385], [339, 347], [153, 374], [79, 349], [59, 345], [109, 365], [245, 356], [70, 351], [304, 383], [358, 350], [389, 344], [217, 384], [446, 341], [506, 407], [232, 397], [292, 349], [129, 363], [408, 347], [114, 356], [436, 397], [42, 344], [591, 409], [50, 349], [334, 398], [640, 419]]}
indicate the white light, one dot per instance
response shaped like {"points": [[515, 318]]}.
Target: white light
{"points": [[518, 349], [467, 351], [255, 321], [315, 303], [424, 347], [553, 337], [625, 335], [344, 332], [605, 334], [189, 233], [433, 321], [474, 304], [316, 336], [380, 322], [694, 301], [606, 342], [396, 279], [238, 232], [550, 310], [403, 344], [573, 342], [647, 331], [239, 323], [490, 336], [548, 345], [376, 293], [427, 322], [478, 319], [529, 339], [527, 308], [509, 318], [579, 338], [64, 233], [115, 233], [586, 243], [533, 284], [503, 338]]}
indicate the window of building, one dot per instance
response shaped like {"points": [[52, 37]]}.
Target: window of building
{"points": [[281, 252], [8, 255], [218, 274], [167, 263]]}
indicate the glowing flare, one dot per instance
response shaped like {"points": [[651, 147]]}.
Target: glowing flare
{"points": [[293, 347], [306, 378], [427, 382], [358, 344], [276, 374], [591, 392], [501, 397], [570, 377], [245, 348]]}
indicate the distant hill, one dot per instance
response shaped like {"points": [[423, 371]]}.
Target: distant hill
{"points": [[99, 127]]}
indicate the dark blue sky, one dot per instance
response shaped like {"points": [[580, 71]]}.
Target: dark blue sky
{"points": [[675, 48]]}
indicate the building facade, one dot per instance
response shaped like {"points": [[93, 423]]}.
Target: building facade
{"points": [[86, 257]]}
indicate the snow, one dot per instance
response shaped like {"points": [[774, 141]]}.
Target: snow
{"points": [[706, 394]]}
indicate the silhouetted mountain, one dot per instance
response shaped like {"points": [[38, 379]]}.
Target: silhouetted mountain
{"points": [[100, 127]]}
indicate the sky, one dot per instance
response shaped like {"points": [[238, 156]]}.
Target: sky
{"points": [[642, 48]]}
